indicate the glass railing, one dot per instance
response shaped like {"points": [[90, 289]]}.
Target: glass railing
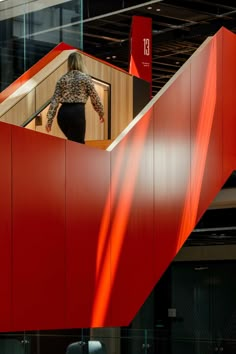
{"points": [[111, 341], [30, 29]]}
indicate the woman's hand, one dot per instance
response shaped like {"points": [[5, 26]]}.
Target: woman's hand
{"points": [[101, 119], [48, 127]]}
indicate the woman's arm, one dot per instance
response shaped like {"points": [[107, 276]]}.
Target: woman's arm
{"points": [[53, 106], [95, 100]]}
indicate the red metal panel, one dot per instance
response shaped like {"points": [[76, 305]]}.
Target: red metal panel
{"points": [[172, 170], [229, 101], [206, 125], [88, 244], [38, 230], [131, 230], [5, 227]]}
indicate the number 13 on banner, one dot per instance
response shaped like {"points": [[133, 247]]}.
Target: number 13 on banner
{"points": [[146, 46]]}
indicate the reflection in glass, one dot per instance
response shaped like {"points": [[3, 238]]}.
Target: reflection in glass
{"points": [[30, 30]]}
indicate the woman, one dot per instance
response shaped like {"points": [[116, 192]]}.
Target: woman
{"points": [[73, 90]]}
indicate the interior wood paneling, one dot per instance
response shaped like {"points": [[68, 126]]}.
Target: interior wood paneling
{"points": [[97, 69], [23, 108], [121, 93], [122, 101], [101, 144], [32, 125]]}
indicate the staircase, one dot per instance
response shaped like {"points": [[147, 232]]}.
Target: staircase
{"points": [[87, 233]]}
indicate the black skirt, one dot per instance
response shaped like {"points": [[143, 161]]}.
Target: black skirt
{"points": [[71, 120]]}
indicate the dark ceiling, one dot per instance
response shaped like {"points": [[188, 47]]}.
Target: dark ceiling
{"points": [[179, 27], [218, 224]]}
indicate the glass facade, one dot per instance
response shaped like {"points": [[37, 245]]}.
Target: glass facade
{"points": [[30, 29]]}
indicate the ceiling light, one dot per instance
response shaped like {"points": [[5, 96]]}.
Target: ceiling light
{"points": [[221, 236], [158, 10], [113, 56], [149, 7], [201, 268]]}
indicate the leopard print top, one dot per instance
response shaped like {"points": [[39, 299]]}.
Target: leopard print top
{"points": [[74, 87]]}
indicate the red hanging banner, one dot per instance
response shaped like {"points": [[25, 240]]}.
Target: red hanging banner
{"points": [[141, 48]]}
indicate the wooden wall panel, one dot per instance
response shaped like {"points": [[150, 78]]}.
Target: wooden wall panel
{"points": [[132, 211], [88, 246], [31, 125], [23, 108], [5, 228], [97, 69], [121, 93], [38, 242], [122, 102]]}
